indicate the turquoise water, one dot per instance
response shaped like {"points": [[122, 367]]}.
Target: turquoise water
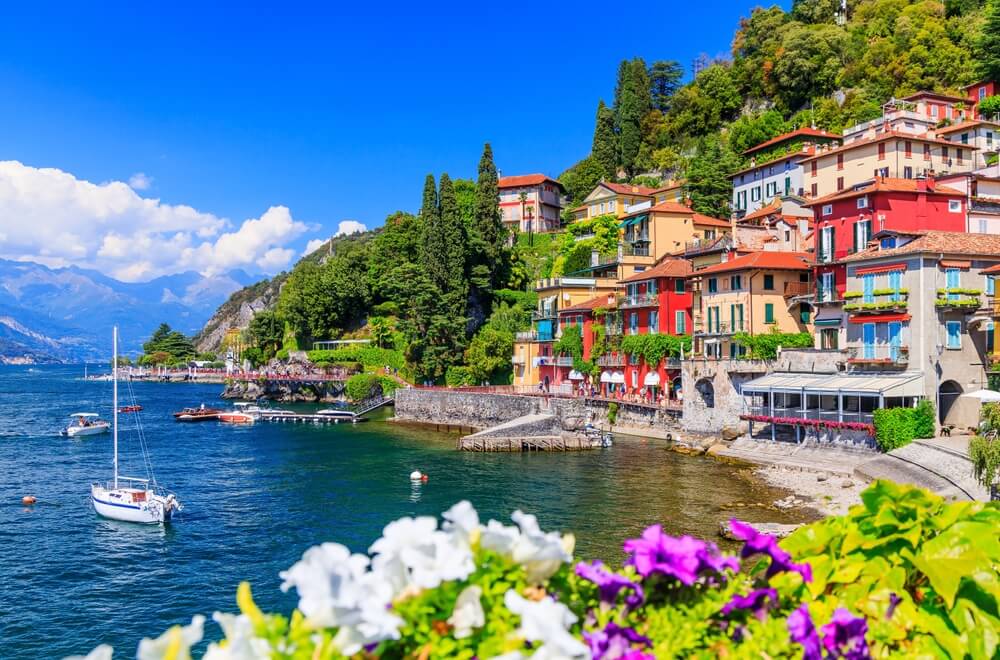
{"points": [[256, 497]]}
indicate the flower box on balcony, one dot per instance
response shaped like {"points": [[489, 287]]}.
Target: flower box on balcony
{"points": [[966, 304], [876, 307]]}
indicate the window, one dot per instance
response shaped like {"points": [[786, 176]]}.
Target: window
{"points": [[954, 206], [868, 340], [881, 150], [633, 323], [579, 320], [814, 189], [934, 111], [769, 313], [895, 280], [772, 189], [959, 155], [828, 339], [983, 226], [611, 205], [908, 149], [812, 168], [982, 93], [826, 244], [907, 172], [651, 287], [989, 286], [828, 209], [989, 138], [863, 202], [868, 288], [713, 285], [736, 318], [927, 152], [680, 323], [954, 334], [826, 289], [678, 285], [840, 183], [840, 161], [788, 185], [709, 234], [654, 321], [788, 235], [944, 153], [769, 282], [735, 282], [804, 313], [965, 138], [952, 281], [862, 234], [755, 194], [602, 208]]}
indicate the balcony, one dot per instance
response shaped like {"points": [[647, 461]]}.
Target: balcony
{"points": [[639, 300], [611, 360], [984, 205], [613, 329], [958, 300], [880, 301], [534, 336], [517, 359], [563, 361], [700, 245], [718, 329], [793, 289], [630, 250], [878, 355]]}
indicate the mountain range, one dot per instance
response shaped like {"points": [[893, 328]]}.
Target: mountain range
{"points": [[66, 314]]}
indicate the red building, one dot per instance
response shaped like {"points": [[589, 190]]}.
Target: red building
{"points": [[656, 301], [979, 91], [559, 368], [846, 221]]}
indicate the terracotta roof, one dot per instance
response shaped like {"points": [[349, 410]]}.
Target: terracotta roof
{"points": [[933, 95], [992, 270], [526, 180], [666, 268], [884, 185], [709, 221], [961, 126], [889, 135], [672, 186], [808, 151], [592, 304], [628, 189], [762, 261], [977, 84], [764, 211], [939, 242], [802, 132]]}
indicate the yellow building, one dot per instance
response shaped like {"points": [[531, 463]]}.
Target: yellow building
{"points": [[749, 293], [533, 348], [614, 199]]}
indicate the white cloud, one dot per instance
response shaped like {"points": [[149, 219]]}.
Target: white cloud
{"points": [[140, 181], [349, 227], [50, 216], [313, 245]]}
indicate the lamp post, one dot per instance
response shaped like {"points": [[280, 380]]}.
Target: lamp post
{"points": [[937, 380]]}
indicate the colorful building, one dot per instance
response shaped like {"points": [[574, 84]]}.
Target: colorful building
{"points": [[750, 293], [775, 169], [531, 203], [978, 91], [937, 107], [979, 133], [982, 198], [599, 311], [614, 199]]}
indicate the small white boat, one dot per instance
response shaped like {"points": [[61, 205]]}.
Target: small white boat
{"points": [[336, 413], [131, 499], [87, 423], [242, 413]]}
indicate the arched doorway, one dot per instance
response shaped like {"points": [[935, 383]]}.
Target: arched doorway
{"points": [[948, 393], [707, 392]]}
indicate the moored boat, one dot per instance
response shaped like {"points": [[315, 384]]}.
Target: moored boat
{"points": [[200, 414], [128, 409], [242, 413], [87, 423]]}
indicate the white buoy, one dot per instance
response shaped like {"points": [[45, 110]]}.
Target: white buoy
{"points": [[416, 476]]}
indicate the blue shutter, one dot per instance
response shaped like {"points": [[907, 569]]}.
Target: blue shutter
{"points": [[868, 335]]}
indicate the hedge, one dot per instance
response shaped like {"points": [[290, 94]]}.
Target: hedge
{"points": [[370, 356], [897, 427], [361, 386]]}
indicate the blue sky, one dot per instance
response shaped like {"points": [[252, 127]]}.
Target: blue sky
{"points": [[334, 112]]}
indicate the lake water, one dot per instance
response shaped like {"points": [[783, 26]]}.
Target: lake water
{"points": [[256, 497]]}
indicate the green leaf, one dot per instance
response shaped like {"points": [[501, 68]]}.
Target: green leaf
{"points": [[962, 549]]}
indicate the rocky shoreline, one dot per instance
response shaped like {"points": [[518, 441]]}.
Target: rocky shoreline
{"points": [[285, 391]]}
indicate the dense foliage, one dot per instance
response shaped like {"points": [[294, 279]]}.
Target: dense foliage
{"points": [[366, 355], [898, 427], [904, 574], [363, 386], [984, 449], [765, 346], [653, 348], [167, 346]]}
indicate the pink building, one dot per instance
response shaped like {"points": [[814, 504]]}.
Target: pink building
{"points": [[531, 203]]}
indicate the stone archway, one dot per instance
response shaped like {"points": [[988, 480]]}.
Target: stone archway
{"points": [[948, 393], [707, 392]]}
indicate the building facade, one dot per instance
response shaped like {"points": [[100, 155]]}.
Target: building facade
{"points": [[531, 203], [981, 134], [982, 199], [612, 198]]}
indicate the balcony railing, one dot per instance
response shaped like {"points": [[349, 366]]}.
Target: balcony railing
{"points": [[630, 250], [517, 359], [718, 328], [704, 244], [563, 361], [543, 315], [878, 354], [639, 300], [611, 360], [984, 205], [798, 289], [613, 329]]}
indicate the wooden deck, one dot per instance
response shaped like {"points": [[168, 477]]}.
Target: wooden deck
{"points": [[525, 443]]}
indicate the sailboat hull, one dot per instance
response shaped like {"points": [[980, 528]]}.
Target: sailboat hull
{"points": [[131, 505]]}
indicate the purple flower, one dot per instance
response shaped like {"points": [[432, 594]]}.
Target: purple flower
{"points": [[755, 543], [802, 631], [609, 584], [894, 601], [617, 642], [683, 558], [844, 636], [758, 602]]}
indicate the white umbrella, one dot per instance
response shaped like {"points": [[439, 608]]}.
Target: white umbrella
{"points": [[983, 395]]}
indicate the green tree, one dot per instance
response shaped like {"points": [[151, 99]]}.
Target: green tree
{"points": [[604, 148], [175, 344], [989, 106], [702, 107], [399, 241], [582, 178], [665, 79], [988, 44], [633, 104], [707, 177], [381, 330], [488, 353], [453, 239], [751, 130], [267, 331], [815, 11], [490, 232], [811, 58]]}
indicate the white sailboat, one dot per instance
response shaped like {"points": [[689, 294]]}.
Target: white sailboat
{"points": [[131, 499]]}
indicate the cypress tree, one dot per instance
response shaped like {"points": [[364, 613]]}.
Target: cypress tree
{"points": [[665, 79], [452, 239], [605, 148], [492, 235], [989, 42], [635, 102], [434, 251], [428, 209]]}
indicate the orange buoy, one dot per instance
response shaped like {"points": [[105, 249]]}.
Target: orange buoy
{"points": [[28, 499], [424, 478]]}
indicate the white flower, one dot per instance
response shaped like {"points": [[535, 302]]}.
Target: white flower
{"points": [[547, 621], [102, 652], [541, 554], [462, 520], [177, 641], [336, 590], [468, 612], [413, 552], [241, 644]]}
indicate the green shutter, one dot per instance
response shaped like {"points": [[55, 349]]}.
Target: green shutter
{"points": [[769, 313]]}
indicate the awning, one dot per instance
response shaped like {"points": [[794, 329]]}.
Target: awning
{"points": [[632, 221], [951, 263], [575, 375], [983, 395], [829, 315], [880, 269], [828, 322], [605, 376], [879, 318], [618, 377], [652, 378], [904, 384]]}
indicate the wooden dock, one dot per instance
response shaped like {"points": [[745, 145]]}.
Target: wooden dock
{"points": [[478, 442], [309, 418]]}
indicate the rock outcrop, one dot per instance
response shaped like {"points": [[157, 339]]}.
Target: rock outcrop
{"points": [[237, 312]]}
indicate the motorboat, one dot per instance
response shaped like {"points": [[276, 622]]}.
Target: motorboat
{"points": [[128, 409], [86, 423], [337, 413], [242, 413], [131, 499], [199, 414], [598, 437]]}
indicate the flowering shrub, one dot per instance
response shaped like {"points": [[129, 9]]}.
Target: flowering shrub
{"points": [[812, 423], [904, 574]]}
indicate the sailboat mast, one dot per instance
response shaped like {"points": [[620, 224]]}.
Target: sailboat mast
{"points": [[114, 377]]}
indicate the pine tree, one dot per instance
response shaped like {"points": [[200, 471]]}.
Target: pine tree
{"points": [[665, 79], [635, 101], [989, 43], [491, 236], [708, 184], [605, 148]]}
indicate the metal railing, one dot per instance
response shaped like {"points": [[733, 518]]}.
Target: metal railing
{"points": [[639, 300], [636, 250], [875, 353], [719, 328], [614, 329], [611, 360], [704, 244], [821, 414], [563, 361]]}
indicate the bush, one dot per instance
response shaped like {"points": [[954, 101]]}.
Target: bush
{"points": [[362, 386], [924, 420], [282, 354], [524, 299], [612, 412], [458, 377], [765, 346], [989, 106], [894, 427], [905, 574], [370, 356]]}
